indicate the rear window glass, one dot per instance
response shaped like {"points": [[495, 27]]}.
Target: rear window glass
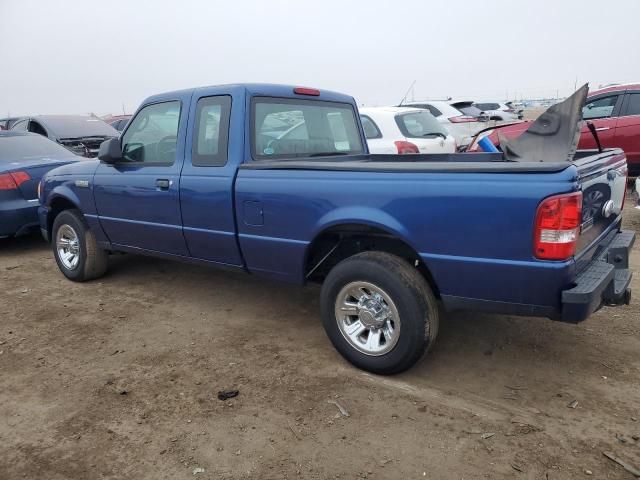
{"points": [[370, 128], [487, 106], [76, 126], [419, 124], [16, 148], [468, 109], [291, 128]]}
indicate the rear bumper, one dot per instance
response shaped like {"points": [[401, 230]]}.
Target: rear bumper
{"points": [[17, 216], [604, 281]]}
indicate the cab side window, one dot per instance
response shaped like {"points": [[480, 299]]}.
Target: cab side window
{"points": [[600, 108], [152, 136], [211, 133]]}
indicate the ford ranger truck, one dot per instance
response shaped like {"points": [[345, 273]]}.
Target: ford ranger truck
{"points": [[277, 181]]}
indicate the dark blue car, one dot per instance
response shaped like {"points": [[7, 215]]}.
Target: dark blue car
{"points": [[24, 158]]}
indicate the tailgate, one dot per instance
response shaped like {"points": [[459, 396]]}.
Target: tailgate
{"points": [[603, 178]]}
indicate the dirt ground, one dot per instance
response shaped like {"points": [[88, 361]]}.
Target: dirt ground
{"points": [[118, 379]]}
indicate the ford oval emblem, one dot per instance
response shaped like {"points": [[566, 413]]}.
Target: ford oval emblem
{"points": [[607, 208]]}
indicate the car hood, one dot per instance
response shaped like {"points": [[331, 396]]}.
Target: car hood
{"points": [[553, 136]]}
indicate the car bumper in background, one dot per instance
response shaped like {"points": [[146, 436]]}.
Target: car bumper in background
{"points": [[17, 217], [604, 281]]}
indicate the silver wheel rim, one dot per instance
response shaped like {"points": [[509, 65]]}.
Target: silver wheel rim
{"points": [[367, 318], [68, 247]]}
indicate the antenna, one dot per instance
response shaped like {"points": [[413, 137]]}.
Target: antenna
{"points": [[407, 93]]}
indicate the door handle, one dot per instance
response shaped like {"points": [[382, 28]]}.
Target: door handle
{"points": [[163, 183], [600, 129]]}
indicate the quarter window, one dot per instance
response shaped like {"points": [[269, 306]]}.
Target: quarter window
{"points": [[152, 135], [211, 131], [600, 108]]}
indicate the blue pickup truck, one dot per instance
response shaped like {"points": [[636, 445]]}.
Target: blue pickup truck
{"points": [[277, 181]]}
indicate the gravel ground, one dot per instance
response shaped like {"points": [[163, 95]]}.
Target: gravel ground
{"points": [[118, 378]]}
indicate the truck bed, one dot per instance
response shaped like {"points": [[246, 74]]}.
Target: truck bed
{"points": [[441, 162]]}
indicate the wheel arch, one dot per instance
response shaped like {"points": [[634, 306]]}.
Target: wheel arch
{"points": [[59, 203], [341, 239]]}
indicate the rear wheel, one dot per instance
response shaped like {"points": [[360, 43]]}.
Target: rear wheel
{"points": [[75, 248], [379, 312]]}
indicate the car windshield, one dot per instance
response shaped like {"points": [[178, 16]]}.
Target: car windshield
{"points": [[419, 124], [77, 126], [16, 148], [291, 128]]}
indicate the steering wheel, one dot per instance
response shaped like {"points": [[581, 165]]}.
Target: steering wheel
{"points": [[166, 149]]}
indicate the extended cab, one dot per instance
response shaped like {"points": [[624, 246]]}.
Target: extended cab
{"points": [[277, 181]]}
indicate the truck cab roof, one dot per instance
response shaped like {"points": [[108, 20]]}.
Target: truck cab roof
{"points": [[255, 89]]}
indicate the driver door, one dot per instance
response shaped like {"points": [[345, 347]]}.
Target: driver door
{"points": [[137, 199]]}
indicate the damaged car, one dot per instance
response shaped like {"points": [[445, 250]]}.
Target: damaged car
{"points": [[81, 134]]}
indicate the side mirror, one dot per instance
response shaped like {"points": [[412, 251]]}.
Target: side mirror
{"points": [[110, 151]]}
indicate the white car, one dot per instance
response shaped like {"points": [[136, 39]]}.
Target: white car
{"points": [[404, 130], [462, 125], [500, 111]]}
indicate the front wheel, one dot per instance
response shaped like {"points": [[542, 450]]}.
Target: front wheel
{"points": [[75, 248], [379, 312]]}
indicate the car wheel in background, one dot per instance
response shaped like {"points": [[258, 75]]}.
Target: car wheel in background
{"points": [[75, 248], [379, 312]]}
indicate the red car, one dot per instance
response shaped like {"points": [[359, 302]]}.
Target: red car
{"points": [[614, 111]]}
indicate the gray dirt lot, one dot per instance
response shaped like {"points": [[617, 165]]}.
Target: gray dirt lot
{"points": [[172, 335]]}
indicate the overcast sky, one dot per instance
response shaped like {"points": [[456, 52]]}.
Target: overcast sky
{"points": [[79, 56]]}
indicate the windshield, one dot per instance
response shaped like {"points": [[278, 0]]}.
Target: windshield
{"points": [[76, 126], [16, 148], [291, 128], [419, 124]]}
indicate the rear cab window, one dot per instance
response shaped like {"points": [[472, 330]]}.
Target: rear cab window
{"points": [[292, 128]]}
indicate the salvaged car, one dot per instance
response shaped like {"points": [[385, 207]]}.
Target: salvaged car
{"points": [[81, 134], [614, 112], [24, 158], [207, 175]]}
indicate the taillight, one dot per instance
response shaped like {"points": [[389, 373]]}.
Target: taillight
{"points": [[406, 147], [462, 119], [626, 186], [557, 226], [11, 181]]}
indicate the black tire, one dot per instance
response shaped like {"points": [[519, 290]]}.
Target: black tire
{"points": [[92, 261], [416, 305]]}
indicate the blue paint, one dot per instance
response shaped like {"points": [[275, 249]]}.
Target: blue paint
{"points": [[473, 231]]}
